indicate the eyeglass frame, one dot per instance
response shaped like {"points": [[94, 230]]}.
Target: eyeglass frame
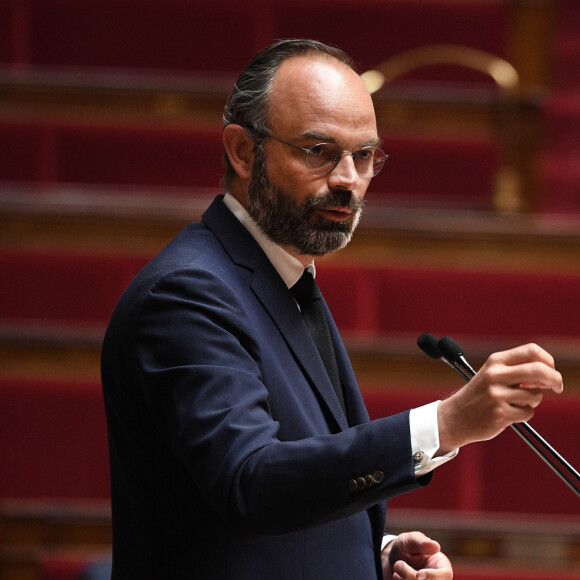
{"points": [[337, 159]]}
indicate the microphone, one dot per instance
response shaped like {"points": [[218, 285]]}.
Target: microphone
{"points": [[432, 347], [428, 344], [451, 353]]}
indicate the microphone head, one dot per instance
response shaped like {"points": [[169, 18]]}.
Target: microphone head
{"points": [[449, 348], [428, 344]]}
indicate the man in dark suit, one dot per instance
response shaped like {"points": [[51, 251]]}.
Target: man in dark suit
{"points": [[235, 452]]}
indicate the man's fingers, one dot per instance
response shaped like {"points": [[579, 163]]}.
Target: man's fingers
{"points": [[403, 570], [534, 385], [525, 397], [533, 374], [522, 354], [414, 545]]}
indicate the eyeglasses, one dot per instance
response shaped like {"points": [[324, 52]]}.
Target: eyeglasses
{"points": [[322, 158]]}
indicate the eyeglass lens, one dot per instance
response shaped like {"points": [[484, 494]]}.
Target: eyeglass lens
{"points": [[324, 157]]}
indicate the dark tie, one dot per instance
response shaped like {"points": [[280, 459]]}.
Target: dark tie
{"points": [[308, 296]]}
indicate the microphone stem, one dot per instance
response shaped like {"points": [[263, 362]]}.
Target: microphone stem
{"points": [[457, 369], [530, 436], [462, 363]]}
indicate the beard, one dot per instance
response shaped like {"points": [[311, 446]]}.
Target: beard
{"points": [[298, 226]]}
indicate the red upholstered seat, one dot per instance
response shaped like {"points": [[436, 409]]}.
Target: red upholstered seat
{"points": [[6, 29], [493, 304], [567, 18], [500, 572], [443, 170], [482, 303], [54, 440], [560, 158], [58, 287], [140, 155], [110, 154], [28, 152], [559, 164], [562, 120], [382, 29], [560, 178], [173, 35], [566, 46], [567, 50], [526, 484], [193, 36]]}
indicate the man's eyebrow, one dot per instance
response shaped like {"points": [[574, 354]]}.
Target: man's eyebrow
{"points": [[322, 138], [376, 142]]}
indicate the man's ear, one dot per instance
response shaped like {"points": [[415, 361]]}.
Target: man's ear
{"points": [[239, 149]]}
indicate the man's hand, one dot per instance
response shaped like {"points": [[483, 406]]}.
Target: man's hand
{"points": [[414, 556], [506, 390]]}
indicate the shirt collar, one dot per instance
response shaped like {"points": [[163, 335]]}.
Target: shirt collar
{"points": [[289, 267]]}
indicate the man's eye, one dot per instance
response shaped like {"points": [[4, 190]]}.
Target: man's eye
{"points": [[318, 150], [364, 154]]}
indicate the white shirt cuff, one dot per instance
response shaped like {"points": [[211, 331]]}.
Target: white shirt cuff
{"points": [[387, 539], [425, 439]]}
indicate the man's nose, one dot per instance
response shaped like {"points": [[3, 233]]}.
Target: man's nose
{"points": [[344, 174]]}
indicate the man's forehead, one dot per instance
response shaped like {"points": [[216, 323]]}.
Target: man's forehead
{"points": [[311, 88], [314, 71]]}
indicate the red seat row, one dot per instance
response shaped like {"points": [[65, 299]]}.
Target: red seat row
{"points": [[560, 159], [71, 567], [193, 35], [54, 440], [445, 170], [63, 567], [110, 154], [54, 445], [499, 572], [481, 303], [54, 287], [560, 181], [438, 170], [566, 24]]}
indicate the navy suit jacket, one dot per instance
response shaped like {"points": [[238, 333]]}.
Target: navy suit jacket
{"points": [[230, 454]]}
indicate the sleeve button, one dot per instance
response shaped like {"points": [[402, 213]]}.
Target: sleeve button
{"points": [[378, 476]]}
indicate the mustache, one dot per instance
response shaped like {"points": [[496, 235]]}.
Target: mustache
{"points": [[336, 198]]}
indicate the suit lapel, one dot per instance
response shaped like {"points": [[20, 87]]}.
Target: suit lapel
{"points": [[277, 300], [357, 411]]}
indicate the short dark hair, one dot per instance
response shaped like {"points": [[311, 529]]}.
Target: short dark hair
{"points": [[248, 103]]}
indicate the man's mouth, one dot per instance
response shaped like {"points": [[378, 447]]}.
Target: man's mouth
{"points": [[335, 213]]}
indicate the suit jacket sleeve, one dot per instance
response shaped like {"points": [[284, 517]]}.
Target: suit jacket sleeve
{"points": [[219, 381]]}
